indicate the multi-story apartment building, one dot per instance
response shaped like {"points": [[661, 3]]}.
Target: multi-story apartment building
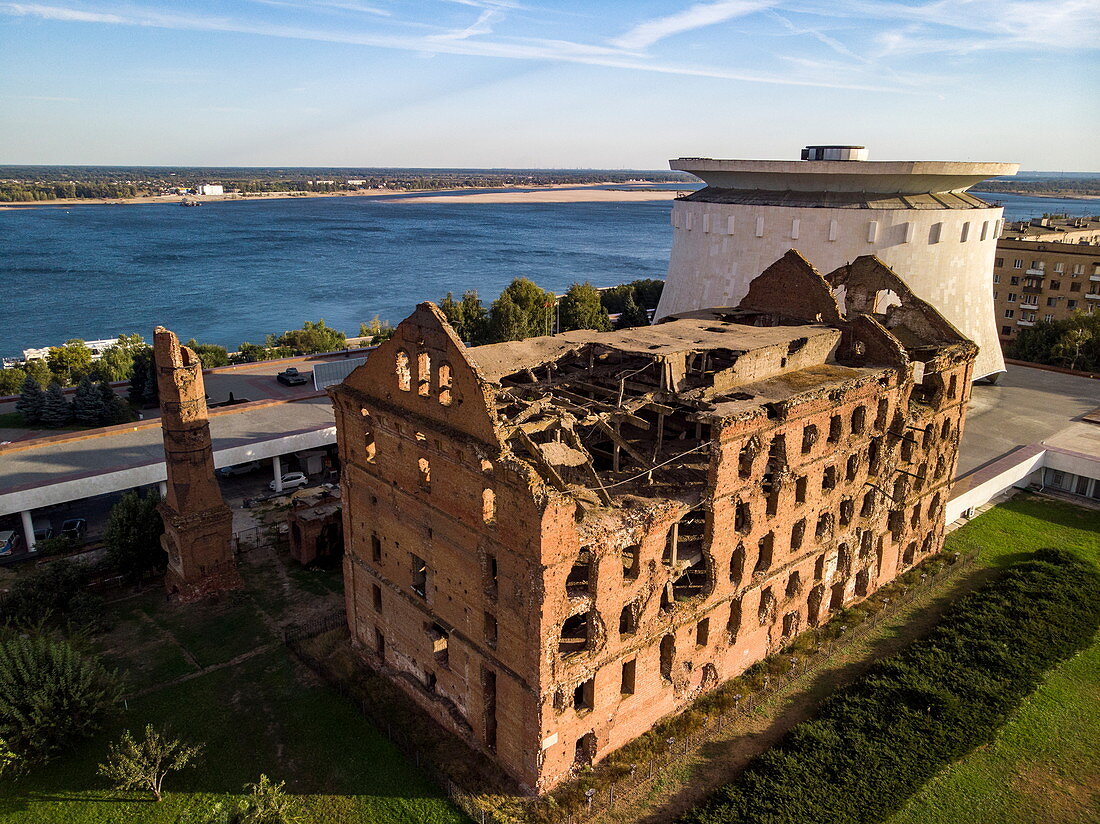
{"points": [[1037, 280], [553, 543]]}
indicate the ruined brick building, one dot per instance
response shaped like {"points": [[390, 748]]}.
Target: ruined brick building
{"points": [[198, 525], [555, 542]]}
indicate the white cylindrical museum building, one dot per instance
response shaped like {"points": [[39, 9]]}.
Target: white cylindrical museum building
{"points": [[916, 216]]}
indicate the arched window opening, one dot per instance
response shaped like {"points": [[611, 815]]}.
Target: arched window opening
{"points": [[733, 625], [863, 579], [631, 557], [425, 469], [737, 565], [791, 624], [794, 583], [580, 576], [748, 454], [575, 633], [488, 505], [423, 374], [668, 653], [765, 549], [813, 604], [370, 447], [444, 378], [766, 609], [628, 619]]}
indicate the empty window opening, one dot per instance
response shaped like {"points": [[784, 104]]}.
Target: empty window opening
{"points": [[914, 519], [425, 469], [488, 505], [866, 542], [800, 490], [834, 428], [794, 584], [766, 609], [859, 415], [953, 387], [941, 466], [909, 554], [692, 583], [900, 486], [777, 454], [828, 478], [824, 525], [764, 553], [440, 639], [843, 561], [747, 457], [895, 522], [737, 565], [945, 429], [423, 374], [375, 548], [419, 576], [742, 517], [874, 456], [380, 644], [733, 625], [444, 378], [852, 468], [819, 567], [579, 581], [585, 750], [491, 582], [907, 450], [813, 604], [702, 633], [836, 597], [868, 506], [490, 630], [863, 579], [429, 681], [934, 506], [809, 438], [847, 510], [584, 694], [883, 414], [684, 544], [791, 622], [376, 597], [370, 448], [628, 619], [631, 556], [928, 438], [630, 669], [574, 634], [404, 373], [489, 698], [668, 653], [771, 503], [798, 534]]}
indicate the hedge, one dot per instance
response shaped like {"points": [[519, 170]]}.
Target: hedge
{"points": [[877, 741]]}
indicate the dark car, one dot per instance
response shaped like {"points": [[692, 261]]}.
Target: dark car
{"points": [[43, 533], [292, 377], [74, 528]]}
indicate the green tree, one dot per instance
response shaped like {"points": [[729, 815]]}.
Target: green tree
{"points": [[54, 592], [254, 352], [115, 409], [507, 321], [88, 406], [266, 803], [69, 362], [10, 761], [144, 764], [632, 315], [50, 694], [210, 354], [56, 409], [132, 536], [523, 310], [1070, 346], [144, 391], [11, 381], [580, 308], [117, 361], [31, 401], [312, 338], [376, 331]]}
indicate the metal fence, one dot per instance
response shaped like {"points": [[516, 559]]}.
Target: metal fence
{"points": [[273, 536]]}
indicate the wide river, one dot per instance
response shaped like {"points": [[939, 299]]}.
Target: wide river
{"points": [[233, 271]]}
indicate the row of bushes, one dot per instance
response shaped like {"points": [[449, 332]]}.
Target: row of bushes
{"points": [[877, 741]]}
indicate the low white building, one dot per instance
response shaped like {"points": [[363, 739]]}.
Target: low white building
{"points": [[211, 189]]}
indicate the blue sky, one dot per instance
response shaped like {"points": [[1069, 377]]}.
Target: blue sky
{"points": [[497, 83]]}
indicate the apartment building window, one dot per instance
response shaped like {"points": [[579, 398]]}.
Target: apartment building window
{"points": [[1055, 285], [999, 262], [1048, 318], [1028, 316], [1051, 301], [1037, 264], [1071, 304], [995, 294], [1059, 267], [1010, 313], [1075, 287], [1012, 297], [1079, 269], [1030, 300], [1006, 330], [1014, 282], [1017, 264], [996, 278]]}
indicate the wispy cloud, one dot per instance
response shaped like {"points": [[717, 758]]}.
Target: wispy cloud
{"points": [[515, 49], [483, 25], [339, 5], [647, 33]]}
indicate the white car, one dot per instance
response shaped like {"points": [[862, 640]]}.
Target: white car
{"points": [[290, 481]]}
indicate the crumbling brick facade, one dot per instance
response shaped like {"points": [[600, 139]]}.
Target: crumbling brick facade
{"points": [[198, 525], [553, 543]]}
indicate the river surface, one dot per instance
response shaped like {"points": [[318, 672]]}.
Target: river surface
{"points": [[232, 271]]}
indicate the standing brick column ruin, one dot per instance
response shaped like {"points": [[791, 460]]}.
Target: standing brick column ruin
{"points": [[198, 525]]}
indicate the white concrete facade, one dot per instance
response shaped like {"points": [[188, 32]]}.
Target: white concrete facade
{"points": [[943, 250]]}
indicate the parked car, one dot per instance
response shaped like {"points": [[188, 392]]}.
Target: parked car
{"points": [[43, 533], [74, 528], [9, 541], [292, 377], [239, 469], [291, 480]]}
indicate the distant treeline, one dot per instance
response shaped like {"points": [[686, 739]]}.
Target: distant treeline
{"points": [[1072, 342], [34, 183], [1047, 186]]}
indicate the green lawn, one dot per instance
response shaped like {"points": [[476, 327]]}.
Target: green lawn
{"points": [[1044, 766], [264, 714]]}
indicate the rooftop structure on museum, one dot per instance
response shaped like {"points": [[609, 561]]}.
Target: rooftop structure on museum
{"points": [[553, 543], [834, 206]]}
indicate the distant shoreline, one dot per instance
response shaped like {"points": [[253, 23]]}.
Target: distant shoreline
{"points": [[1051, 195], [553, 193]]}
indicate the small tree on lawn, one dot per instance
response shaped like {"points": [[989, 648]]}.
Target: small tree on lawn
{"points": [[115, 409], [143, 765], [56, 410], [88, 406], [132, 536], [267, 803], [632, 315], [31, 400], [581, 309]]}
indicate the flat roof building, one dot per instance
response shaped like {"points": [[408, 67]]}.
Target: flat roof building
{"points": [[834, 206]]}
